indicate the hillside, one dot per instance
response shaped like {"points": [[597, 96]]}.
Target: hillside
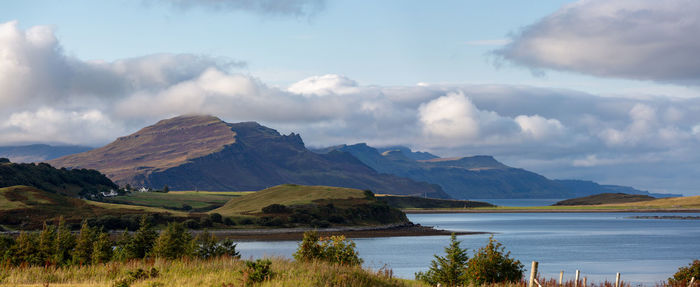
{"points": [[671, 202], [605, 198], [205, 153], [291, 205], [472, 177], [420, 202], [38, 152], [28, 207], [75, 182]]}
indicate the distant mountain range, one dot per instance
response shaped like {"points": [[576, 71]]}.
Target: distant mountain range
{"points": [[38, 152], [476, 176], [206, 153]]}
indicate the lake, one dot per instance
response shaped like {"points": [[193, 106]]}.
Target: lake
{"points": [[645, 251]]}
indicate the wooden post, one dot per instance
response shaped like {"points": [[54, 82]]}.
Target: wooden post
{"points": [[617, 280], [584, 281], [561, 277], [692, 281], [578, 273], [533, 274]]}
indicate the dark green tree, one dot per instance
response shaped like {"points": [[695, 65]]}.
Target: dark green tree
{"points": [[143, 240], [124, 249], [449, 270], [166, 189], [26, 249], [82, 253], [47, 239], [333, 249], [175, 241], [102, 249], [63, 244], [491, 264]]}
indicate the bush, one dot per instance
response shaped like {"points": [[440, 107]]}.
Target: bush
{"points": [[319, 223], [491, 265], [257, 271], [215, 217], [191, 224], [684, 274], [136, 275], [334, 249], [228, 221], [448, 270], [275, 208]]}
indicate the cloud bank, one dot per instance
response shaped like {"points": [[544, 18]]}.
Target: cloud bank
{"points": [[47, 96], [632, 39]]}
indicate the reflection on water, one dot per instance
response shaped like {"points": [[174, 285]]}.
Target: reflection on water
{"points": [[599, 244]]}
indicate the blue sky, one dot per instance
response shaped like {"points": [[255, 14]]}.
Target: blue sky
{"points": [[598, 90]]}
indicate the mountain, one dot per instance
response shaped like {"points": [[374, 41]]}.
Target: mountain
{"points": [[74, 183], [38, 152], [205, 153], [472, 177]]}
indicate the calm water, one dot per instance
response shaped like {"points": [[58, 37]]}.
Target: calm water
{"points": [[645, 251]]}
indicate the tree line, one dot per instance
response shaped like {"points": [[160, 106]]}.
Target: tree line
{"points": [[56, 245]]}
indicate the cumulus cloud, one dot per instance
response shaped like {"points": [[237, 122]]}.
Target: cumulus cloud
{"points": [[634, 39], [276, 7], [324, 85]]}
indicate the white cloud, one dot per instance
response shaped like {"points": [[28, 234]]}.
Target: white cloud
{"points": [[634, 39], [324, 85], [58, 126], [539, 127]]}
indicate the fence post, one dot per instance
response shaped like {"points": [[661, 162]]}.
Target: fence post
{"points": [[561, 277], [692, 281], [578, 273], [584, 281], [617, 280], [533, 273]]}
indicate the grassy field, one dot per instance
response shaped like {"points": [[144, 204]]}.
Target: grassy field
{"points": [[286, 194], [195, 272], [29, 207], [198, 200]]}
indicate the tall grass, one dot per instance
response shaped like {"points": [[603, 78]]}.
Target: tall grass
{"points": [[223, 271]]}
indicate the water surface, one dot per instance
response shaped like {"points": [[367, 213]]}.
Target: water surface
{"points": [[645, 251]]}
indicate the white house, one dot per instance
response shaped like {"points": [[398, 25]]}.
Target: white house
{"points": [[111, 193]]}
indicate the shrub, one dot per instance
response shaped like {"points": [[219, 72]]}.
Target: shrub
{"points": [[491, 265], [334, 249], [246, 221], [275, 208], [102, 249], [448, 270], [228, 221], [319, 223], [257, 271], [684, 274], [215, 217], [191, 224], [143, 240], [206, 222], [136, 275]]}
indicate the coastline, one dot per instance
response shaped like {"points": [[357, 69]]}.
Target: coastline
{"points": [[554, 210], [281, 234]]}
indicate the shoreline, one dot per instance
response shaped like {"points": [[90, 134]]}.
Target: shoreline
{"points": [[283, 234], [554, 210]]}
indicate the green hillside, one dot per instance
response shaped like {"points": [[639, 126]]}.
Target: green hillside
{"points": [[286, 194], [292, 205], [25, 207], [178, 200]]}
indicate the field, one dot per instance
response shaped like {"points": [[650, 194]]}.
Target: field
{"points": [[28, 208], [286, 194], [197, 200], [196, 272]]}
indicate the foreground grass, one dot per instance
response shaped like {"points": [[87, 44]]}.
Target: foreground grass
{"points": [[223, 271]]}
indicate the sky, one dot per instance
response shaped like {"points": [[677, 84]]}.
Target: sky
{"points": [[603, 90]]}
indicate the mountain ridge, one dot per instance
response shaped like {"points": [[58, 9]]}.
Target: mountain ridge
{"points": [[196, 152]]}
